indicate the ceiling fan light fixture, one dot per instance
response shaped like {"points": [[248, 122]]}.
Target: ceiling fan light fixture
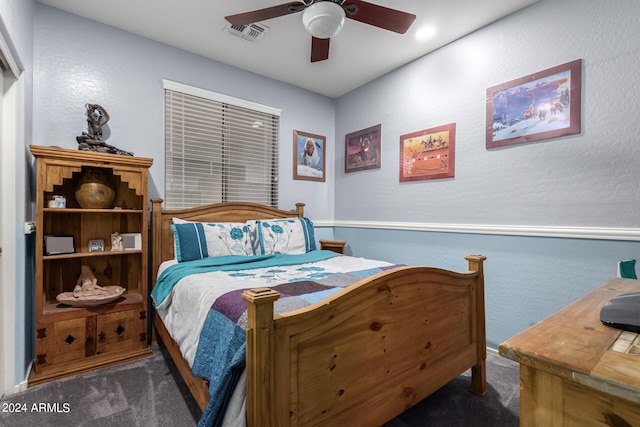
{"points": [[323, 19]]}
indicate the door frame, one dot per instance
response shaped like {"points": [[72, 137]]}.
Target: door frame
{"points": [[8, 233]]}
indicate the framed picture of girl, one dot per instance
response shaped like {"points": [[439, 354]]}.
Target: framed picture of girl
{"points": [[308, 156]]}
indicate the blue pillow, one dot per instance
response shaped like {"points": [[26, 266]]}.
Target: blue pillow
{"points": [[190, 241]]}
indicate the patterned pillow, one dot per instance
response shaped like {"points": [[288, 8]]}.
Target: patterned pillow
{"points": [[222, 238], [228, 238], [282, 236]]}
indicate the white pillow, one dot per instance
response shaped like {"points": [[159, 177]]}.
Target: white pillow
{"points": [[282, 236], [222, 238]]}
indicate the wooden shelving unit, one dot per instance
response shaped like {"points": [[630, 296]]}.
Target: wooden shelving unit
{"points": [[70, 340]]}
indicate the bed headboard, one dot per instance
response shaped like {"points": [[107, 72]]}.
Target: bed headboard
{"points": [[162, 246]]}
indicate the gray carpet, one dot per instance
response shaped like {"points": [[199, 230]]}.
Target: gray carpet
{"points": [[149, 392]]}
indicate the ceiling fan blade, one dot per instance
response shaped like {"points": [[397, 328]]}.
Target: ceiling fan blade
{"points": [[381, 17], [319, 49], [247, 18]]}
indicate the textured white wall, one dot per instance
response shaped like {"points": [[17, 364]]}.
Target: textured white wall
{"points": [[79, 61], [586, 181], [581, 180]]}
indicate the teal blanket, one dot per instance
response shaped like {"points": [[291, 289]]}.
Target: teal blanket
{"points": [[174, 273]]}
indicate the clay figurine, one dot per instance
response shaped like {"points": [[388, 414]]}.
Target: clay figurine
{"points": [[87, 292], [87, 284]]}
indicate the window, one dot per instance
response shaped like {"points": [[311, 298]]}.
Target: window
{"points": [[218, 149]]}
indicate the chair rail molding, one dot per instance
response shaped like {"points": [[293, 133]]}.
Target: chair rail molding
{"points": [[592, 233]]}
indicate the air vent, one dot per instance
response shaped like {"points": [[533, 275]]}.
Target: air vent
{"points": [[251, 32]]}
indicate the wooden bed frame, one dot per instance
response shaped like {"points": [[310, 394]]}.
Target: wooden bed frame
{"points": [[360, 357]]}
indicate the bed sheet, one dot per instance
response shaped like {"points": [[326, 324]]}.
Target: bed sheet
{"points": [[185, 309]]}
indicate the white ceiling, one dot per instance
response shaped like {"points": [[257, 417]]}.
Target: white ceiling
{"points": [[359, 54]]}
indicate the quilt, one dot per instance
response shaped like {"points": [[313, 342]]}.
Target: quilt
{"points": [[220, 354]]}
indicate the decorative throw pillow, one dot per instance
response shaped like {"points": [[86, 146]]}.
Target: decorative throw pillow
{"points": [[223, 238], [228, 238], [282, 236], [190, 241]]}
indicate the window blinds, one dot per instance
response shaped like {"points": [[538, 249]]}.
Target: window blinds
{"points": [[216, 151]]}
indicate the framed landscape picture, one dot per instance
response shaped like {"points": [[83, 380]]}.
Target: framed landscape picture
{"points": [[428, 154], [362, 149], [308, 156], [539, 106]]}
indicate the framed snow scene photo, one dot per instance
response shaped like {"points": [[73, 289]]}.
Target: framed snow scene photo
{"points": [[539, 106], [308, 156]]}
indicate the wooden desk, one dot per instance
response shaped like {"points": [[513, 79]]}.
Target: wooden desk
{"points": [[574, 370]]}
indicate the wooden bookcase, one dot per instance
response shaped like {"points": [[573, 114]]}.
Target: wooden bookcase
{"points": [[70, 340]]}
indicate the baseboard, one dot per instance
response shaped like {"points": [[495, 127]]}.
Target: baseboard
{"points": [[25, 383], [21, 387], [493, 351]]}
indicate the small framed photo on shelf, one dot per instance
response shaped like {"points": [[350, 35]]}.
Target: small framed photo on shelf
{"points": [[131, 241], [116, 242], [56, 245], [96, 245]]}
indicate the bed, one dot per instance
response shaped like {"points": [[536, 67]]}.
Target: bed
{"points": [[362, 355]]}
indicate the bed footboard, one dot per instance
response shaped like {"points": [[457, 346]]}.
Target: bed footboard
{"points": [[368, 353]]}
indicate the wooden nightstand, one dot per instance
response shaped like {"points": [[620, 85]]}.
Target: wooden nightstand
{"points": [[333, 245]]}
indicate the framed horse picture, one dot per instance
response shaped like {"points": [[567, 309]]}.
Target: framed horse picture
{"points": [[362, 149], [428, 154], [539, 106]]}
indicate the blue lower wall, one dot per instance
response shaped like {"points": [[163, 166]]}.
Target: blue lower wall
{"points": [[526, 278]]}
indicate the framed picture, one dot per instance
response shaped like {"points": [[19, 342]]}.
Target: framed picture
{"points": [[56, 245], [131, 241], [539, 106], [96, 245], [308, 156], [428, 154], [362, 149]]}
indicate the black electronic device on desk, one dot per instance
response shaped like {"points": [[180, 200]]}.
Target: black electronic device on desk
{"points": [[623, 312]]}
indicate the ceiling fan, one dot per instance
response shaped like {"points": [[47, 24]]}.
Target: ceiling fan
{"points": [[325, 18]]}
